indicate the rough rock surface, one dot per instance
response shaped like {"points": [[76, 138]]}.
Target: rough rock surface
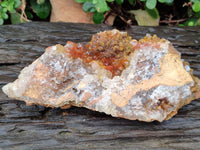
{"points": [[154, 85]]}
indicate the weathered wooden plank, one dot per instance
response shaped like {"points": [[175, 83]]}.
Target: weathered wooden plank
{"points": [[37, 127]]}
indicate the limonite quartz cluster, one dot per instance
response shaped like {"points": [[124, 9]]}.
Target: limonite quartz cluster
{"points": [[138, 80]]}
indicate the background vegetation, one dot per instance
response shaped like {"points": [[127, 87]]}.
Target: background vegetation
{"points": [[19, 11], [126, 12]]}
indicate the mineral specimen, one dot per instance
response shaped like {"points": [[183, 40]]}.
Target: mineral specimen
{"points": [[138, 80]]}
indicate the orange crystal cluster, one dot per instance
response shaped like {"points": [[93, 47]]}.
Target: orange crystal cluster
{"points": [[109, 49]]}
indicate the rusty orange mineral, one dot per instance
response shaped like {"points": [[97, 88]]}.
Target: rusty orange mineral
{"points": [[111, 51], [138, 80]]}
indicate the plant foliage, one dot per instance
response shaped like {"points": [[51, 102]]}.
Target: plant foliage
{"points": [[100, 7], [8, 6], [11, 10], [41, 7]]}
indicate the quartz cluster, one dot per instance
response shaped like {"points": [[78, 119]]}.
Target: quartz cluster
{"points": [[134, 79]]}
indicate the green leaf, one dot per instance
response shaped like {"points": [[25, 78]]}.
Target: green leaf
{"points": [[87, 6], [92, 10], [40, 1], [17, 3], [119, 1], [197, 14], [110, 0], [5, 10], [98, 18], [13, 11], [169, 2], [153, 13], [196, 7], [10, 6], [1, 21], [42, 10], [29, 15], [181, 25], [151, 4], [162, 1], [101, 6], [131, 2], [4, 4], [191, 22], [4, 16], [194, 1], [95, 1], [198, 22], [143, 0], [16, 18], [80, 1], [144, 19]]}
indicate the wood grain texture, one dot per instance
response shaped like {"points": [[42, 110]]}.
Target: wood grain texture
{"points": [[37, 127]]}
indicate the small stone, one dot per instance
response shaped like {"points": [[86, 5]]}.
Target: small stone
{"points": [[138, 80]]}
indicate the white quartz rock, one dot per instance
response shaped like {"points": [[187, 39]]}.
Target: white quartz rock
{"points": [[154, 85]]}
